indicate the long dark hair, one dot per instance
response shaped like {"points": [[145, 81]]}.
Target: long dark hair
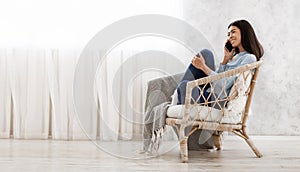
{"points": [[248, 38]]}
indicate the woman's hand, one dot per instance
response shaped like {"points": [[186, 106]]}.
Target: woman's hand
{"points": [[227, 55], [199, 63]]}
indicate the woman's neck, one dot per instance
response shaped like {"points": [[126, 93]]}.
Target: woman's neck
{"points": [[241, 48]]}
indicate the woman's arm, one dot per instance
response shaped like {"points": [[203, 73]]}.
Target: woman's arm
{"points": [[226, 58]]}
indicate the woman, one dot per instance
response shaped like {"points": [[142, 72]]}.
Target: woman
{"points": [[246, 49]]}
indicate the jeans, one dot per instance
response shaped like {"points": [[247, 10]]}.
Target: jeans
{"points": [[201, 139], [192, 73]]}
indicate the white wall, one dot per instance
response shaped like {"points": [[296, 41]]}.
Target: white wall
{"points": [[69, 23], [276, 100]]}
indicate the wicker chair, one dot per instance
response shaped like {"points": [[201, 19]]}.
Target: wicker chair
{"points": [[216, 113]]}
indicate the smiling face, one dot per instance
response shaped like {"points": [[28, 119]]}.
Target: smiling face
{"points": [[235, 38]]}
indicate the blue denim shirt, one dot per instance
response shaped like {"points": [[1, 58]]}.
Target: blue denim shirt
{"points": [[240, 59]]}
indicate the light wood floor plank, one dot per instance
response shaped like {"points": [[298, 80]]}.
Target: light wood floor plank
{"points": [[280, 153]]}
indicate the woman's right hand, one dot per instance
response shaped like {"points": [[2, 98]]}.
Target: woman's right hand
{"points": [[227, 55]]}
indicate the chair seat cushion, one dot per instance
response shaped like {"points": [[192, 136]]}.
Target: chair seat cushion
{"points": [[197, 112]]}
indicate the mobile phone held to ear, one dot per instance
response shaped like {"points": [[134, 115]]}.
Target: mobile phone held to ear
{"points": [[228, 46]]}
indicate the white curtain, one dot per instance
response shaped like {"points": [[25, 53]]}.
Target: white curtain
{"points": [[64, 124], [36, 96], [30, 93], [122, 104], [5, 96]]}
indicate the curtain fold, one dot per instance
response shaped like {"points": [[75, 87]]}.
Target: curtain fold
{"points": [[61, 73], [5, 96], [109, 118]]}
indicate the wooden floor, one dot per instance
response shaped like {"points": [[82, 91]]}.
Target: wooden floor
{"points": [[281, 153]]}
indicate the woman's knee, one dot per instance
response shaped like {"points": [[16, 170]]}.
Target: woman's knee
{"points": [[206, 53], [209, 58]]}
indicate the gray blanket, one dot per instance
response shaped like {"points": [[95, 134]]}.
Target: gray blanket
{"points": [[158, 99]]}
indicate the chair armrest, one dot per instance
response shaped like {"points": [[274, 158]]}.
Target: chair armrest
{"points": [[211, 78]]}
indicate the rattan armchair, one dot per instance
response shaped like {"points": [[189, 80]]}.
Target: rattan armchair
{"points": [[217, 113]]}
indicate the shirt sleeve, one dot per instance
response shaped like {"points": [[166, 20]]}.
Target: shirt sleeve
{"points": [[221, 68]]}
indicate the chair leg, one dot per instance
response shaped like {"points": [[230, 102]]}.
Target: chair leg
{"points": [[243, 134], [255, 150], [184, 149], [217, 141]]}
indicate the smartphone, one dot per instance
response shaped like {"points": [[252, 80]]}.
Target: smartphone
{"points": [[228, 46], [198, 55]]}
